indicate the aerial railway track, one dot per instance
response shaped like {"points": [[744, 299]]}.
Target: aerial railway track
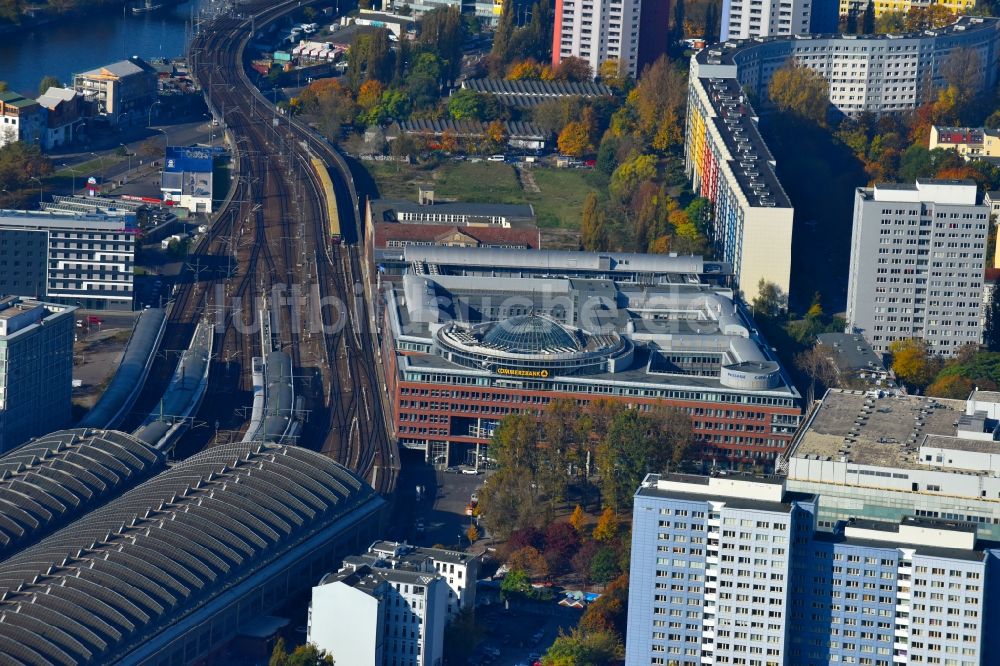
{"points": [[293, 203]]}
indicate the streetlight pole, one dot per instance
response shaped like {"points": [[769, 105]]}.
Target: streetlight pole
{"points": [[39, 189], [74, 172], [101, 158], [129, 155]]}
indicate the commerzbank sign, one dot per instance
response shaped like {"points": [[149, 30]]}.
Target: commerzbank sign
{"points": [[542, 373]]}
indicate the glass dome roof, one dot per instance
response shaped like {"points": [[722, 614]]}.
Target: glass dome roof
{"points": [[531, 334]]}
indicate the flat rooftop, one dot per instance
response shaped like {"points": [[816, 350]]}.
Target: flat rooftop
{"points": [[886, 431], [725, 53], [931, 551], [752, 159]]}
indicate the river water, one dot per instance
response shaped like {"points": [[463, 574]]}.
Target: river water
{"points": [[79, 44]]}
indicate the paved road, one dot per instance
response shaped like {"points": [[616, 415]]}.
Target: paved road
{"points": [[441, 507]]}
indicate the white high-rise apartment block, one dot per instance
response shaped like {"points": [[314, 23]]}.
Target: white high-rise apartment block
{"points": [[597, 31], [744, 19], [917, 260]]}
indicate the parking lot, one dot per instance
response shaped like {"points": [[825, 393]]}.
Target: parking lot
{"points": [[519, 637]]}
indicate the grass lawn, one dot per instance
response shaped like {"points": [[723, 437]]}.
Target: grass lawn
{"points": [[559, 204]]}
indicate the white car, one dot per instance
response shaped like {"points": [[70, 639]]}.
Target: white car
{"points": [[470, 471]]}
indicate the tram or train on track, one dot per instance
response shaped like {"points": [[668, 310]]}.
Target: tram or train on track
{"points": [[333, 217]]}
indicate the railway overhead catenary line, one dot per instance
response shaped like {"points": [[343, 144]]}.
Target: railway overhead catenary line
{"points": [[290, 181]]}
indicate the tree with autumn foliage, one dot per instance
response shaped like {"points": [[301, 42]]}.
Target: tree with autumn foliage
{"points": [[654, 109], [606, 530], [574, 69], [529, 68], [578, 519], [496, 135], [369, 93], [913, 362], [800, 90], [574, 139]]}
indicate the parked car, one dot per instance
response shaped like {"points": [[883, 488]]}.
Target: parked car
{"points": [[470, 471]]}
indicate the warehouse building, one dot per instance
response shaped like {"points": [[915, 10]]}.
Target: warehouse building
{"points": [[170, 571], [471, 335]]}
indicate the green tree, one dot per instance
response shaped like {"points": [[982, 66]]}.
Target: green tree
{"points": [[628, 176], [594, 225], [890, 23], [441, 33], [303, 655], [769, 301], [634, 445], [515, 585], [48, 82], [466, 104], [800, 90], [582, 648], [604, 566]]}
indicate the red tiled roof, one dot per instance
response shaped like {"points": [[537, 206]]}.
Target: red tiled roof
{"points": [[428, 233]]}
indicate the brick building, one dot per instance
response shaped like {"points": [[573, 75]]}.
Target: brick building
{"points": [[470, 335]]}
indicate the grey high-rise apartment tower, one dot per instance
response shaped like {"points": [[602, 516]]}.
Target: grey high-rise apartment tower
{"points": [[917, 256], [36, 369]]}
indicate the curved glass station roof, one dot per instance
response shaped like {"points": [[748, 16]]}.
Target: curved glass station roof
{"points": [[531, 334]]}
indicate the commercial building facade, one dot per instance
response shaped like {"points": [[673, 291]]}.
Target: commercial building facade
{"points": [[731, 570], [730, 165], [866, 74], [473, 334], [597, 31], [36, 369], [187, 178], [745, 19], [85, 260], [918, 255], [123, 93]]}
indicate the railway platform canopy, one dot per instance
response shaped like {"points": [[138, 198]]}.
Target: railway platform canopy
{"points": [[166, 572]]}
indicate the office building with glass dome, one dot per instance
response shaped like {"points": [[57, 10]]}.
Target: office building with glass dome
{"points": [[470, 335]]}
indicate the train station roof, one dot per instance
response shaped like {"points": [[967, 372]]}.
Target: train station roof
{"points": [[116, 580], [55, 479]]}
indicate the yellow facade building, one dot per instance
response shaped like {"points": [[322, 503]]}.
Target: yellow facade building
{"points": [[969, 142], [886, 6]]}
